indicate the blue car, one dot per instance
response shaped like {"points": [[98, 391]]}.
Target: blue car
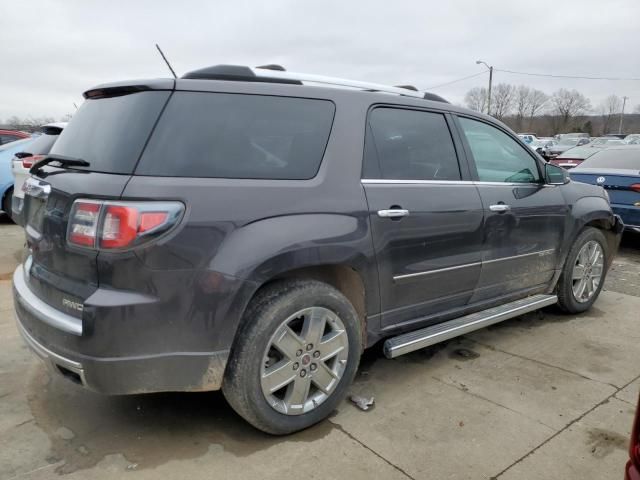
{"points": [[617, 169], [7, 152]]}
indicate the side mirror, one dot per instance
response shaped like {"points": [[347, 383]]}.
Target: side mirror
{"points": [[555, 175]]}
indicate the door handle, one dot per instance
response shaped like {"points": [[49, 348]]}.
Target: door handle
{"points": [[393, 213], [500, 207]]}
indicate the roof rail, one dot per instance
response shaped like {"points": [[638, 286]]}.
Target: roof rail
{"points": [[277, 74]]}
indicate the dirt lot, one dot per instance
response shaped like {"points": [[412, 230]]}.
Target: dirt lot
{"points": [[543, 396]]}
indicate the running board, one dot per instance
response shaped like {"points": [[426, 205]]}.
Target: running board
{"points": [[408, 342]]}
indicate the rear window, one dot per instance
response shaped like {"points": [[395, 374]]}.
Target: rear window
{"points": [[239, 136], [42, 144], [624, 159], [110, 133]]}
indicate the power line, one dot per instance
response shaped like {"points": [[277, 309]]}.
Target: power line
{"points": [[456, 81], [580, 77]]}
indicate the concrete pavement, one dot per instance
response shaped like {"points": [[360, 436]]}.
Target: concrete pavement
{"points": [[543, 396]]}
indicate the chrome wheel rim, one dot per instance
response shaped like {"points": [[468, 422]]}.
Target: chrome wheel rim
{"points": [[304, 361], [587, 271]]}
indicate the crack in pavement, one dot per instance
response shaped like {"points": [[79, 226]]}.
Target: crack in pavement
{"points": [[391, 464], [493, 402], [540, 362], [568, 425]]}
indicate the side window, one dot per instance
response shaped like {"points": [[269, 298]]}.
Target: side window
{"points": [[497, 156], [409, 145]]}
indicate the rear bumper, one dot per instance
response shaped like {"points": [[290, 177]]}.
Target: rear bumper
{"points": [[43, 329], [630, 215]]}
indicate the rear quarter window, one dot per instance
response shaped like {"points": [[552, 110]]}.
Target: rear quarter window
{"points": [[221, 135]]}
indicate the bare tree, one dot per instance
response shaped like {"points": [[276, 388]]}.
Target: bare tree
{"points": [[537, 103], [567, 105], [476, 99], [502, 100], [522, 100], [609, 108]]}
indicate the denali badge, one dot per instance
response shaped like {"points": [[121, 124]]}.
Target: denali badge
{"points": [[600, 180], [71, 304]]}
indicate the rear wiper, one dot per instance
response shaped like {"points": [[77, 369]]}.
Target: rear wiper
{"points": [[64, 161]]}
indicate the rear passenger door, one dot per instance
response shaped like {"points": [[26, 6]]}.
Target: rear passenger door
{"points": [[425, 214], [524, 218]]}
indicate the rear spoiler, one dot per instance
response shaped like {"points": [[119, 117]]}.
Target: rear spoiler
{"points": [[119, 89]]}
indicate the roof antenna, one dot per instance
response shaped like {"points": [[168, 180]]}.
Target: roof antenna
{"points": [[166, 61]]}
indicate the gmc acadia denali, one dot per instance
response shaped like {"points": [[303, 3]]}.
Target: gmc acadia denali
{"points": [[253, 230]]}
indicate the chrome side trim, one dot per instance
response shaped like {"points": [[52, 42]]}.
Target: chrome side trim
{"points": [[384, 181], [407, 276], [431, 272], [540, 253], [42, 311], [440, 332]]}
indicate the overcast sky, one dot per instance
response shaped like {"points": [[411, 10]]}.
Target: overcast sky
{"points": [[54, 50]]}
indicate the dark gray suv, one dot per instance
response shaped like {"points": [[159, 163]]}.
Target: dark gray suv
{"points": [[254, 230]]}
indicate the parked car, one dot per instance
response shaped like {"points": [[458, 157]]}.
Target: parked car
{"points": [[527, 137], [620, 136], [8, 136], [24, 160], [541, 147], [574, 156], [563, 145], [633, 137], [617, 169], [239, 229], [7, 152], [606, 141], [632, 471]]}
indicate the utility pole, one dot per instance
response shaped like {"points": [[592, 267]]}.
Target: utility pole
{"points": [[490, 67], [624, 102]]}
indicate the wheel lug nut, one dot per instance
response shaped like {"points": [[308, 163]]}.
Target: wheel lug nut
{"points": [[313, 367], [296, 366], [303, 373], [316, 354], [298, 353], [310, 347]]}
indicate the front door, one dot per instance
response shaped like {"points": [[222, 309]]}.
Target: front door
{"points": [[524, 218], [426, 218]]}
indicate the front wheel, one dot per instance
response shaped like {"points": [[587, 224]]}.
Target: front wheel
{"points": [[584, 271], [295, 356]]}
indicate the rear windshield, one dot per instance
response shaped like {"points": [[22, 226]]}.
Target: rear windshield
{"points": [[624, 159], [110, 133], [41, 145], [238, 136]]}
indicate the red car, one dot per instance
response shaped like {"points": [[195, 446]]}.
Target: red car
{"points": [[7, 136], [632, 472], [574, 156]]}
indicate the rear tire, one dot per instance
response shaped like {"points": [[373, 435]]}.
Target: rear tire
{"points": [[314, 367], [584, 271]]}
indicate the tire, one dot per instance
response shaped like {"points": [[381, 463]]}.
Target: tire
{"points": [[568, 299], [254, 356]]}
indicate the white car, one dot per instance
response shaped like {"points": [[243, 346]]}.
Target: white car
{"points": [[23, 161]]}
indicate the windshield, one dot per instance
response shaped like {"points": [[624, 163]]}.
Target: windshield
{"points": [[569, 141], [614, 158], [110, 133]]}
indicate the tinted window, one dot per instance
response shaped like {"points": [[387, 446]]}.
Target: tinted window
{"points": [[613, 158], [42, 144], [239, 136], [409, 145], [110, 133], [498, 157]]}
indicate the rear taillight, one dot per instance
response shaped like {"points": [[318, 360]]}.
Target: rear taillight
{"points": [[109, 225], [635, 187], [634, 447], [27, 162]]}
